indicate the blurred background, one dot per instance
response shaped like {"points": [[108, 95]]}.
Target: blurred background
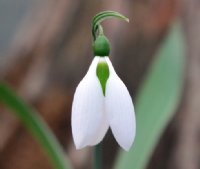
{"points": [[46, 49]]}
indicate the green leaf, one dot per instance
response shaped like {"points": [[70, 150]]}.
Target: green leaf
{"points": [[36, 125], [157, 100]]}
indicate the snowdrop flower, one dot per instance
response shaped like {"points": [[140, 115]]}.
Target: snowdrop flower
{"points": [[101, 101]]}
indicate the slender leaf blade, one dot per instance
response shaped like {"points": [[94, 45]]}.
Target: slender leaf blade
{"points": [[36, 125], [157, 100]]}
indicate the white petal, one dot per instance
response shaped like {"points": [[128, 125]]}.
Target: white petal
{"points": [[88, 110], [120, 110], [101, 131]]}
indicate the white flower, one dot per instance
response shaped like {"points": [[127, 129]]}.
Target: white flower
{"points": [[94, 111]]}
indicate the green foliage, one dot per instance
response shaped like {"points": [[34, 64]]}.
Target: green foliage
{"points": [[36, 125], [157, 100]]}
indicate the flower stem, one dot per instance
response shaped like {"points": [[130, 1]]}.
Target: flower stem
{"points": [[101, 16], [98, 156]]}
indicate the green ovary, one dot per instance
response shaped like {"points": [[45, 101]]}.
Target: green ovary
{"points": [[103, 74]]}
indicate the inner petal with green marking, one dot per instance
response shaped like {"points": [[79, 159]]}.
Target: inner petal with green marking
{"points": [[102, 74]]}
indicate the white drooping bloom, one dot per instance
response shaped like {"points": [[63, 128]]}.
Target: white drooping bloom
{"points": [[94, 111]]}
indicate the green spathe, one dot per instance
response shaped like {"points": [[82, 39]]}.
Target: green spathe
{"points": [[101, 46], [103, 74]]}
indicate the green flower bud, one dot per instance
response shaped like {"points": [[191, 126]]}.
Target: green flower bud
{"points": [[101, 46]]}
